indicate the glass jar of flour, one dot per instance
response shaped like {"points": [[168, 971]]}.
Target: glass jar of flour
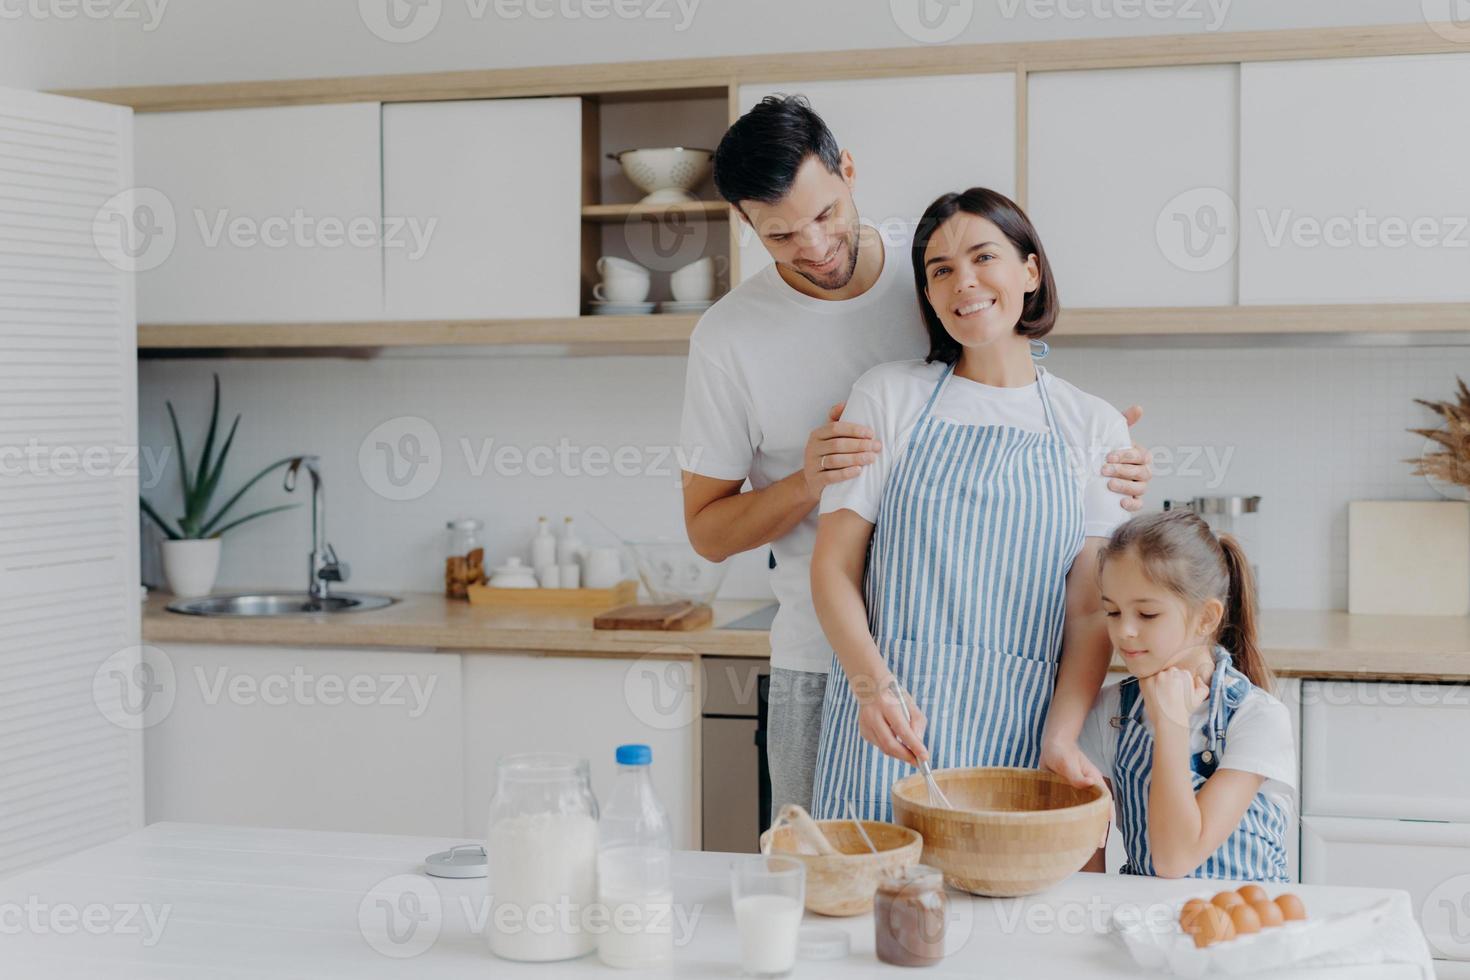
{"points": [[542, 850]]}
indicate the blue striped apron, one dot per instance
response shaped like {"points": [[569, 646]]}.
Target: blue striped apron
{"points": [[1256, 850], [966, 591]]}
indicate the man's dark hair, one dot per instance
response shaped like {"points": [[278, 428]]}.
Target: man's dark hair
{"points": [[759, 155]]}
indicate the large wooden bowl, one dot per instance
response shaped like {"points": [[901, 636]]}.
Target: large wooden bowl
{"points": [[844, 884], [1012, 831]]}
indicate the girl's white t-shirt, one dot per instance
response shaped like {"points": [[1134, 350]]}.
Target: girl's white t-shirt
{"points": [[890, 399], [1258, 739]]}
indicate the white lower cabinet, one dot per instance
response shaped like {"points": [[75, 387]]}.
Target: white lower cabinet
{"points": [[401, 742], [587, 707], [1431, 861], [318, 739]]}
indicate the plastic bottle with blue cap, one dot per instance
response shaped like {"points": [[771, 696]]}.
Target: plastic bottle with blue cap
{"points": [[635, 868]]}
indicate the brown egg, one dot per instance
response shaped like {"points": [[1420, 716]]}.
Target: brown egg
{"points": [[1189, 916], [1227, 900], [1269, 913], [1245, 920], [1214, 927], [1292, 909], [1253, 894]]}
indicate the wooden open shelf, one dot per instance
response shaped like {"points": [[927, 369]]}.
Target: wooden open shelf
{"points": [[1438, 322], [697, 211], [656, 329]]}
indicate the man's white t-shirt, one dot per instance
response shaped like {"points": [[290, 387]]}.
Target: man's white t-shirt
{"points": [[766, 365], [891, 397], [1258, 739]]}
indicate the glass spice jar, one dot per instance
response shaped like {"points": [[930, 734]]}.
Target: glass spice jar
{"points": [[465, 564], [910, 911]]}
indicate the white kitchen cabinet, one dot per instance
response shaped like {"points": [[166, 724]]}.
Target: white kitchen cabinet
{"points": [[275, 212], [1130, 177], [494, 189], [317, 739], [1429, 860], [70, 753], [1385, 750], [586, 707], [1353, 181], [911, 140]]}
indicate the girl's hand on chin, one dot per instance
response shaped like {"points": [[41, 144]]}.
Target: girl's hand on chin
{"points": [[1170, 697]]}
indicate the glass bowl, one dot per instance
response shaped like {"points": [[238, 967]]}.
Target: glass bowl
{"points": [[672, 571]]}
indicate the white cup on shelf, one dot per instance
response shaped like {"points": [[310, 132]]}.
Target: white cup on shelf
{"points": [[570, 573], [621, 290], [696, 281]]}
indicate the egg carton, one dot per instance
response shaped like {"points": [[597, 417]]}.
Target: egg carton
{"points": [[1156, 942]]}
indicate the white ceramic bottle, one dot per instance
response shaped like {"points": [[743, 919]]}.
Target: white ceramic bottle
{"points": [[568, 546], [543, 546]]}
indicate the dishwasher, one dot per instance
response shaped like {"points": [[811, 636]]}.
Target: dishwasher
{"points": [[736, 791]]}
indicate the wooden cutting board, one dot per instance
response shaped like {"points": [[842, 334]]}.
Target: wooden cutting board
{"points": [[664, 616], [1409, 558]]}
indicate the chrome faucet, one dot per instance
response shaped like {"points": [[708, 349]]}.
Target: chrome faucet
{"points": [[324, 565]]}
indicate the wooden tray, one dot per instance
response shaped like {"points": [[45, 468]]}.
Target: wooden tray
{"points": [[619, 595]]}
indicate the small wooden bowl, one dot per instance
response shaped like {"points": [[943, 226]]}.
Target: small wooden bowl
{"points": [[1012, 831], [844, 884]]}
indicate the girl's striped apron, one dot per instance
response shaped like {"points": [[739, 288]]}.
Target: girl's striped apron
{"points": [[966, 590], [1256, 851]]}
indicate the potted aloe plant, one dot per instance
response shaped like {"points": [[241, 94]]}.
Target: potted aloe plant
{"points": [[192, 549]]}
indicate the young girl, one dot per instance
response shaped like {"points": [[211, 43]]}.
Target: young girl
{"points": [[1197, 752], [958, 567]]}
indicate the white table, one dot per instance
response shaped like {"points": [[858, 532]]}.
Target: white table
{"points": [[246, 902]]}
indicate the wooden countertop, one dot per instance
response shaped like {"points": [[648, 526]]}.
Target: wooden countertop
{"points": [[428, 620], [1298, 643]]}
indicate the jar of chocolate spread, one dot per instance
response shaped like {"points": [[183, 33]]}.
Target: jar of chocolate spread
{"points": [[910, 910]]}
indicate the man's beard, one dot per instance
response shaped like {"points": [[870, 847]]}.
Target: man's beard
{"points": [[840, 276]]}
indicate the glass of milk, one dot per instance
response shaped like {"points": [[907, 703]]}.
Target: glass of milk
{"points": [[768, 894]]}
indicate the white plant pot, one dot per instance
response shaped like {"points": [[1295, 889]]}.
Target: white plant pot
{"points": [[191, 566]]}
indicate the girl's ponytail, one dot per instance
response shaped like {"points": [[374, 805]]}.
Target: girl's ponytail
{"points": [[1238, 631]]}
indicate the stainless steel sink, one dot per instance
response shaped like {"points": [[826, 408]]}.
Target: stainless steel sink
{"points": [[277, 604]]}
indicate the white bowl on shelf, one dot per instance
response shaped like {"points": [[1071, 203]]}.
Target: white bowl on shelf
{"points": [[666, 174]]}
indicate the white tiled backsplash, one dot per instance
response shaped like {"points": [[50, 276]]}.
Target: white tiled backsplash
{"points": [[1307, 429]]}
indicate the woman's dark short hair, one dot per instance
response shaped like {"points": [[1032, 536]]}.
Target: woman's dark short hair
{"points": [[759, 156], [1039, 314]]}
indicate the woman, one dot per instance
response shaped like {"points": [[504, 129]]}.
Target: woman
{"points": [[977, 533]]}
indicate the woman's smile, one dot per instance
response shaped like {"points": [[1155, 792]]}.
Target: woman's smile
{"points": [[974, 307]]}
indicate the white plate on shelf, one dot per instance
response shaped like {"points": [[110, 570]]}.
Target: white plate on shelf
{"points": [[621, 309], [699, 306]]}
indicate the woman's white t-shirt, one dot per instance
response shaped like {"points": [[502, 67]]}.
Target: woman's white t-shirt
{"points": [[1258, 739], [891, 397]]}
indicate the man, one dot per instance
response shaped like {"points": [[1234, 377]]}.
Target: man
{"points": [[774, 356]]}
